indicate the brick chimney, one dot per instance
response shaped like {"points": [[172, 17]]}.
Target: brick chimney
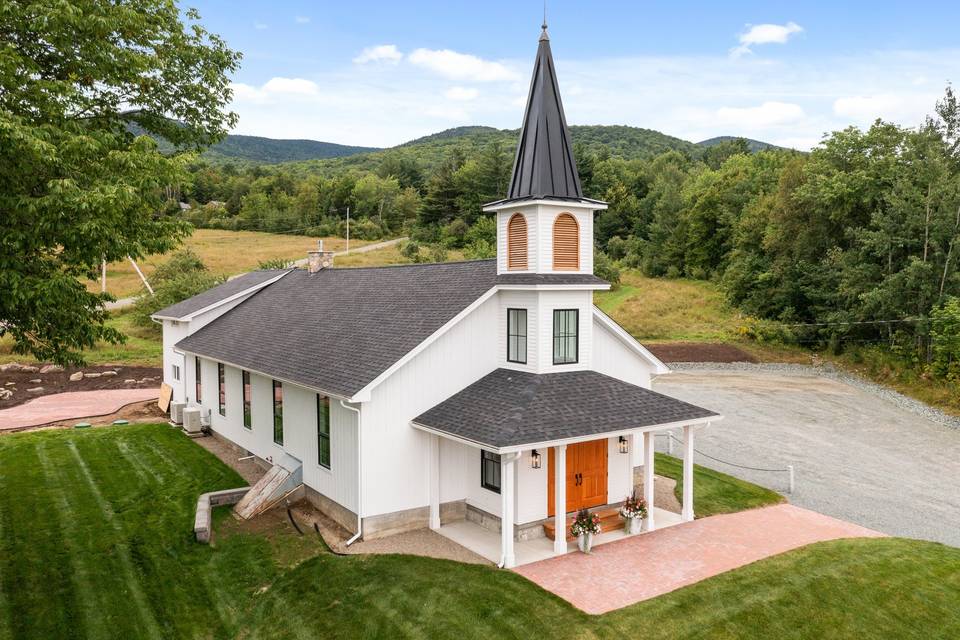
{"points": [[319, 259]]}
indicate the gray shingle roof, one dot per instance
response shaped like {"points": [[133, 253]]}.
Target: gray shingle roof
{"points": [[509, 408], [550, 278], [216, 294], [338, 329], [544, 164]]}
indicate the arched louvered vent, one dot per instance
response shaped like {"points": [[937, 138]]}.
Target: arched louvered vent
{"points": [[566, 243], [517, 242]]}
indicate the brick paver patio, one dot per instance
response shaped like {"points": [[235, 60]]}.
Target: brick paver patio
{"points": [[70, 405], [645, 566]]}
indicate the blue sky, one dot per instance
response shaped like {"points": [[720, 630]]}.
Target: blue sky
{"points": [[381, 73]]}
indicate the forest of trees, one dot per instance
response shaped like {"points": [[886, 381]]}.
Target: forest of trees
{"points": [[856, 241]]}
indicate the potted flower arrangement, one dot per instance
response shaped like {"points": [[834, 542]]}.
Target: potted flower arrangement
{"points": [[584, 527], [633, 511]]}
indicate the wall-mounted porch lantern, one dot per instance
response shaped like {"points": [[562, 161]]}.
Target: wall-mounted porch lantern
{"points": [[623, 445], [535, 459]]}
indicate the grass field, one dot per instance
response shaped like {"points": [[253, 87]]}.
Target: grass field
{"points": [[716, 492], [224, 253], [95, 542], [661, 309]]}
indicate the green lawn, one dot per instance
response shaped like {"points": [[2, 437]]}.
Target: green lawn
{"points": [[715, 492], [95, 542]]}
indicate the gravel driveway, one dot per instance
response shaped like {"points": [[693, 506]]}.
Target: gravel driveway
{"points": [[857, 456]]}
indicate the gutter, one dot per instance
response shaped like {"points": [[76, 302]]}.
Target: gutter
{"points": [[359, 532]]}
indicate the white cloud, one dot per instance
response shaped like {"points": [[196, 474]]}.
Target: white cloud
{"points": [[291, 86], [462, 93], [765, 115], [302, 19], [260, 26], [906, 106], [461, 66], [764, 34], [380, 53]]}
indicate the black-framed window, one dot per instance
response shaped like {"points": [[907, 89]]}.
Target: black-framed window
{"points": [[176, 372], [247, 395], [566, 323], [196, 373], [517, 335], [323, 431], [278, 412], [222, 384], [490, 471]]}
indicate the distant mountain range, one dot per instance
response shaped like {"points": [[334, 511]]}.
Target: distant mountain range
{"points": [[618, 140]]}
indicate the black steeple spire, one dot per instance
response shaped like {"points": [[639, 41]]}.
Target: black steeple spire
{"points": [[544, 166]]}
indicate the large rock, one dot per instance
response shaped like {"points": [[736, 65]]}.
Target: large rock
{"points": [[92, 375], [10, 366], [36, 381], [5, 394], [35, 390], [74, 377], [109, 373], [51, 368], [29, 368]]}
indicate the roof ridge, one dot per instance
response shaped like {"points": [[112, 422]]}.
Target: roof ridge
{"points": [[414, 264]]}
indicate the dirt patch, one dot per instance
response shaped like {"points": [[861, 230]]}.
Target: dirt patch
{"points": [[699, 352], [147, 411], [19, 382], [664, 492], [230, 454]]}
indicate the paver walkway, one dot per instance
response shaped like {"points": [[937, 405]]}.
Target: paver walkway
{"points": [[642, 567], [73, 404]]}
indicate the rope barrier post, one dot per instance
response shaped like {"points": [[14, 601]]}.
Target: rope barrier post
{"points": [[790, 470]]}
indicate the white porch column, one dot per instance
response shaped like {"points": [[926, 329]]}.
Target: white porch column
{"points": [[560, 499], [648, 479], [434, 471], [507, 466], [686, 512]]}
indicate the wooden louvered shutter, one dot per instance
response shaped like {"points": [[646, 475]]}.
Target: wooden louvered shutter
{"points": [[517, 242], [566, 243]]}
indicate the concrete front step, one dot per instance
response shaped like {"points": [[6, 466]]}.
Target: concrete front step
{"points": [[609, 520]]}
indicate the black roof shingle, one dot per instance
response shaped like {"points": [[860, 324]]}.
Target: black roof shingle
{"points": [[216, 294], [338, 329], [508, 408]]}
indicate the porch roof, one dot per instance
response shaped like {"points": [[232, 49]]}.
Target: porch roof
{"points": [[507, 409]]}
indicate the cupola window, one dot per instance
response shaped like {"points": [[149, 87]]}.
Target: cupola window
{"points": [[517, 242], [566, 243]]}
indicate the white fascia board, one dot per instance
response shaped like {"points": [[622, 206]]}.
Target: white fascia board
{"points": [[365, 393], [190, 316], [700, 422], [628, 340], [566, 204], [322, 392], [554, 287]]}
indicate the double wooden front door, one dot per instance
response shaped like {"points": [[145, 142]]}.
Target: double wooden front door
{"points": [[586, 476]]}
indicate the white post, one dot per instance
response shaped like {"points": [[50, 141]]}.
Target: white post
{"points": [[507, 464], [648, 478], [434, 465], [560, 499], [140, 273], [686, 513], [103, 276]]}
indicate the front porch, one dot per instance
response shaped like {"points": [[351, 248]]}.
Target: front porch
{"points": [[488, 544]]}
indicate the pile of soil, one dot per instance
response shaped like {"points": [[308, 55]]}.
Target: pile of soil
{"points": [[699, 352], [15, 379]]}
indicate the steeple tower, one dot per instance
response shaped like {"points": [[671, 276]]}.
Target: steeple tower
{"points": [[544, 166], [544, 225]]}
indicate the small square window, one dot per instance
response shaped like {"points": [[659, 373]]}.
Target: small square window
{"points": [[490, 471]]}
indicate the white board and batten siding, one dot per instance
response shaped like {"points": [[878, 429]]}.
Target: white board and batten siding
{"points": [[339, 482], [395, 454]]}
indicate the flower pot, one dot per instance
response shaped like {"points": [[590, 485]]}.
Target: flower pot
{"points": [[633, 525], [584, 542]]}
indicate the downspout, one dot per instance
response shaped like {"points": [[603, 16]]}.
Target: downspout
{"points": [[359, 532]]}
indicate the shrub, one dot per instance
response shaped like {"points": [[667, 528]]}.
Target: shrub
{"points": [[181, 277], [410, 250], [480, 249], [604, 267], [766, 331], [945, 340], [274, 263]]}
